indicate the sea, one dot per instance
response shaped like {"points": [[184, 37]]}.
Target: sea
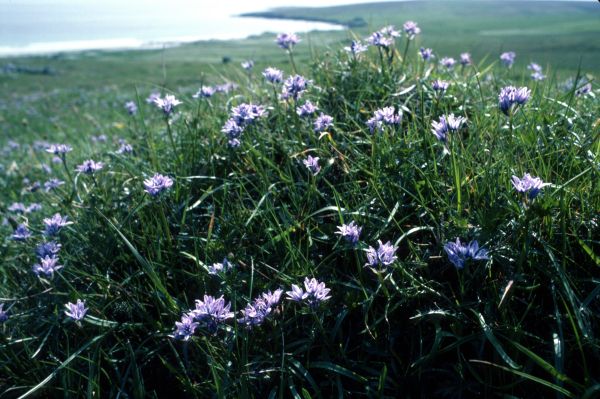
{"points": [[35, 27]]}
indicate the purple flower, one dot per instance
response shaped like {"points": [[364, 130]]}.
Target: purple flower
{"points": [[356, 47], [528, 184], [167, 104], [99, 139], [380, 40], [306, 109], [583, 90], [232, 130], [48, 249], [440, 85], [53, 184], [312, 163], [287, 40], [381, 257], [59, 149], [125, 148], [260, 309], [205, 92], [350, 232], [131, 107], [223, 267], [33, 208], [465, 59], [153, 97], [426, 53], [89, 167], [273, 75], [48, 265], [245, 114], [3, 314], [55, 224], [384, 116], [21, 233], [445, 125], [322, 122], [508, 58], [211, 312], [186, 328], [458, 253], [76, 311], [411, 29], [448, 62], [17, 207], [294, 87], [510, 96], [157, 184], [226, 87], [248, 65], [536, 70], [314, 293]]}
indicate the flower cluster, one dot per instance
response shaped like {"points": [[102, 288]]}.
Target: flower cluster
{"points": [[411, 29], [426, 53], [209, 314], [386, 116], [528, 184], [445, 125], [384, 37], [508, 58], [21, 233], [47, 266], [314, 293], [167, 104], [511, 95], [350, 232], [76, 311], [89, 167], [131, 107], [157, 184], [287, 40], [536, 71], [222, 267], [273, 75], [381, 257], [294, 87], [205, 92], [307, 109], [322, 123], [241, 116], [465, 59], [440, 86], [312, 164], [59, 149], [255, 313], [448, 62], [54, 224], [459, 253], [356, 47]]}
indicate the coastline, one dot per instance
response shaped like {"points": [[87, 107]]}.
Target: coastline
{"points": [[77, 47]]}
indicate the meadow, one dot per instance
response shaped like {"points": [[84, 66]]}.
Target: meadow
{"points": [[338, 219]]}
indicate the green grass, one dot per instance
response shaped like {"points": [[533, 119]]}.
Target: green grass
{"points": [[522, 324]]}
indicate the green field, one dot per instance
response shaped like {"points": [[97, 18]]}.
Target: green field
{"points": [[408, 311]]}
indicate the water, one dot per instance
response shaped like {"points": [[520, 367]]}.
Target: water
{"points": [[49, 26]]}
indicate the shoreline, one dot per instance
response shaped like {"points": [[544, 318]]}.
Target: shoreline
{"points": [[82, 47]]}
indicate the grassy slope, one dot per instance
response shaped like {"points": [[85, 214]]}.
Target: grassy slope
{"points": [[548, 32]]}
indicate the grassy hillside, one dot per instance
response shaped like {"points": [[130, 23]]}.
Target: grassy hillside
{"points": [[449, 221], [556, 33]]}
